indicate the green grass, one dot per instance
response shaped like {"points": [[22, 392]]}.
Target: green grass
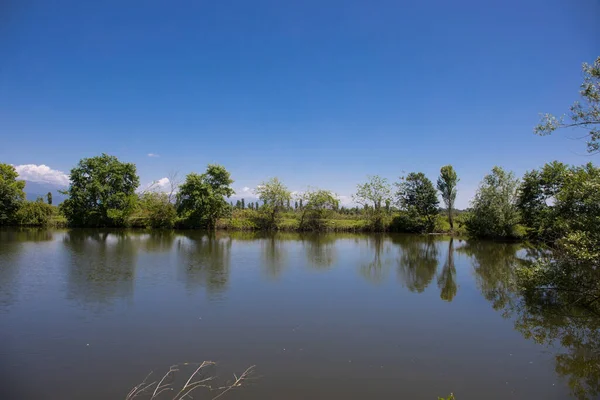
{"points": [[246, 220]]}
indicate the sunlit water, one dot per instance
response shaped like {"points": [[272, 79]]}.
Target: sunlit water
{"points": [[86, 314]]}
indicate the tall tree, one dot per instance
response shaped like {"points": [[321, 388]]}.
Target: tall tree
{"points": [[494, 212], [174, 182], [584, 114], [102, 192], [446, 184], [417, 195], [274, 195], [49, 198], [243, 204], [373, 195], [11, 194], [201, 198]]}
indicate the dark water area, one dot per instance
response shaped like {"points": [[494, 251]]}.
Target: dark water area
{"points": [[87, 314]]}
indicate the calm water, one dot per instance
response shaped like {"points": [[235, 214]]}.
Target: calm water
{"points": [[87, 314]]}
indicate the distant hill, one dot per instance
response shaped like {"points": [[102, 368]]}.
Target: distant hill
{"points": [[33, 190]]}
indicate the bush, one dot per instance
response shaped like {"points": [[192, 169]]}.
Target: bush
{"points": [[155, 211], [34, 213]]}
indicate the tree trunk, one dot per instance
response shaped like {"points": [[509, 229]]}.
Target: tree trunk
{"points": [[450, 218]]}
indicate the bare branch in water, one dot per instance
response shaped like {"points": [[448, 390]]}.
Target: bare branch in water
{"points": [[196, 380]]}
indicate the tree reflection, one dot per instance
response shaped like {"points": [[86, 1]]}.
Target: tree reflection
{"points": [[158, 241], [206, 260], [20, 235], [320, 249], [494, 265], [375, 270], [274, 255], [101, 267], [447, 278], [578, 333], [541, 316], [418, 261]]}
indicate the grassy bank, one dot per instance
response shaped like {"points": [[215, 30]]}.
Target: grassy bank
{"points": [[251, 220], [289, 221]]}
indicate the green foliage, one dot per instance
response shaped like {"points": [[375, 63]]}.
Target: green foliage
{"points": [[446, 184], [571, 273], [11, 194], [319, 204], [49, 198], [537, 198], [451, 397], [201, 198], [102, 192], [585, 114], [274, 195], [156, 210], [372, 195], [494, 212], [34, 213], [417, 196]]}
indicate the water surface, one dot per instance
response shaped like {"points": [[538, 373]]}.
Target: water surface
{"points": [[88, 313]]}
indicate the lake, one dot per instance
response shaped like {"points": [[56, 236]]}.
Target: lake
{"points": [[87, 314]]}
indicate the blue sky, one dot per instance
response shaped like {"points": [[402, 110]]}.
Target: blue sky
{"points": [[318, 93]]}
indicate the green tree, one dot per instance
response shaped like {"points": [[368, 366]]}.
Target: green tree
{"points": [[274, 195], [201, 198], [584, 114], [571, 274], [102, 192], [446, 184], [418, 197], [373, 195], [49, 198], [319, 204], [537, 198], [243, 204], [494, 212], [11, 194]]}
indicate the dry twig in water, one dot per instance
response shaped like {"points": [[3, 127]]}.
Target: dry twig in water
{"points": [[198, 379]]}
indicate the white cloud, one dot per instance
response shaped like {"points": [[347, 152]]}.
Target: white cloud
{"points": [[161, 185], [42, 174], [162, 182], [153, 155], [246, 189]]}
